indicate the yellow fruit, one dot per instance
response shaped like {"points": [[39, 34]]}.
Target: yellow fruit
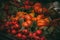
{"points": [[32, 14]]}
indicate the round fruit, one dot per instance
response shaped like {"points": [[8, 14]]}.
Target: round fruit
{"points": [[23, 37], [36, 9], [40, 11], [29, 22], [25, 31], [37, 4], [28, 17], [34, 19], [27, 7], [25, 24], [19, 14], [39, 17], [43, 38], [47, 19], [19, 35], [13, 31], [30, 34], [41, 23], [37, 38], [39, 32], [34, 35], [26, 3]]}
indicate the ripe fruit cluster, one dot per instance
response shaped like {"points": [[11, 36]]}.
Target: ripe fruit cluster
{"points": [[22, 30]]}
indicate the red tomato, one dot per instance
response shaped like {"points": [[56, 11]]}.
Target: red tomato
{"points": [[37, 38], [37, 4], [43, 38], [23, 37], [45, 10], [30, 34], [31, 3], [13, 31], [14, 22], [26, 3], [27, 7], [19, 35], [39, 32], [25, 31], [34, 35]]}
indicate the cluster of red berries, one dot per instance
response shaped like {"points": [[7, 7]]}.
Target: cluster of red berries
{"points": [[26, 35]]}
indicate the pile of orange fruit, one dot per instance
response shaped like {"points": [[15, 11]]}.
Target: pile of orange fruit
{"points": [[36, 14]]}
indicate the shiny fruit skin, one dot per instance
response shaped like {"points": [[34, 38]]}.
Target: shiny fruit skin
{"points": [[41, 23], [37, 4], [29, 22], [36, 9], [34, 19], [40, 11], [34, 35], [25, 31], [47, 19], [13, 31], [43, 38], [39, 32], [28, 17], [25, 24], [23, 37], [39, 17], [19, 35], [27, 7], [30, 34]]}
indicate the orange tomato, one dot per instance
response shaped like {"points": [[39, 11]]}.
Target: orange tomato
{"points": [[36, 9], [28, 17], [40, 10], [41, 23], [25, 24], [37, 4], [14, 18], [19, 14], [47, 19], [29, 22], [32, 11], [40, 17], [34, 19]]}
